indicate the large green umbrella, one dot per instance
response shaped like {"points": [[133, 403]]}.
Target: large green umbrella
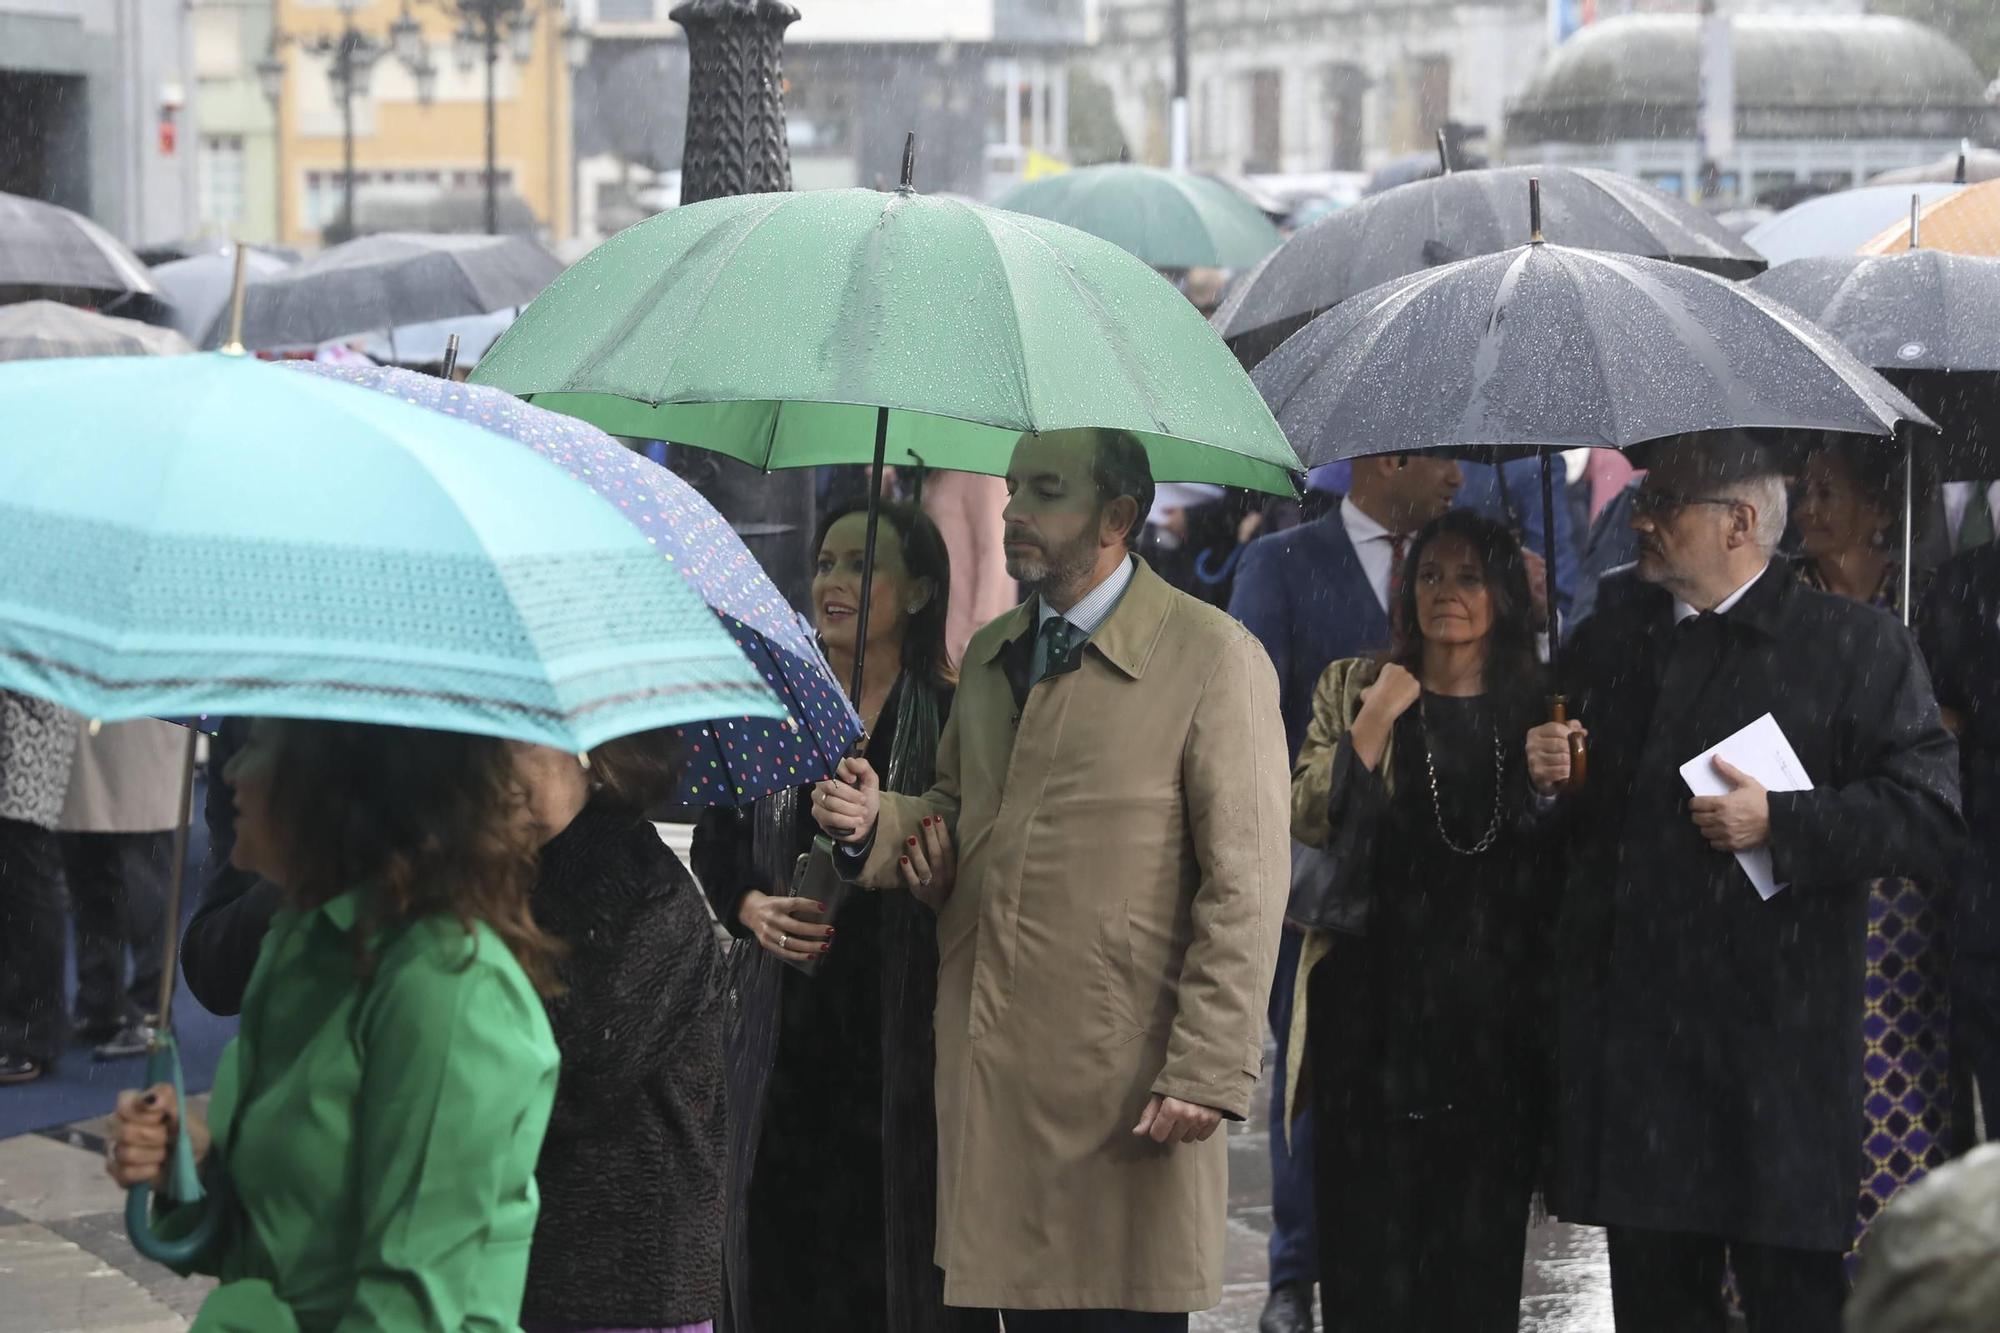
{"points": [[1169, 219], [771, 328]]}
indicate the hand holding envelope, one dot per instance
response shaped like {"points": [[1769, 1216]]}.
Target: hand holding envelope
{"points": [[1731, 782]]}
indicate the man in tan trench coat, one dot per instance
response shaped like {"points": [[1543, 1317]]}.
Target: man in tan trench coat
{"points": [[1114, 777]]}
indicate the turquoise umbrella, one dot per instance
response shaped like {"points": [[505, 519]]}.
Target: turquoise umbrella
{"points": [[212, 535], [1169, 219], [208, 534]]}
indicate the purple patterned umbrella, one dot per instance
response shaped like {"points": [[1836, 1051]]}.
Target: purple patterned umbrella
{"points": [[727, 761]]}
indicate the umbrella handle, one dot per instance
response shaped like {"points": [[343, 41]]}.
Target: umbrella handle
{"points": [[1579, 749], [163, 1065]]}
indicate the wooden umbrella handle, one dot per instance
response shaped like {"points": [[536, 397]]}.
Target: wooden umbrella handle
{"points": [[1579, 749]]}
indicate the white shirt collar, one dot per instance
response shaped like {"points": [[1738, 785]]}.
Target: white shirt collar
{"points": [[1091, 610], [1360, 527], [1682, 611]]}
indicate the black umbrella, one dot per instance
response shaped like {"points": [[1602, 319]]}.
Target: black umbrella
{"points": [[1929, 320], [1456, 216], [1543, 347], [49, 252], [387, 281]]}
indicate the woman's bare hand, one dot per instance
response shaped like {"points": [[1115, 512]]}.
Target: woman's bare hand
{"points": [[929, 864], [777, 924], [144, 1129]]}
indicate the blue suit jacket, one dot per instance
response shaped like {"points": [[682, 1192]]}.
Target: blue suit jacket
{"points": [[1302, 592]]}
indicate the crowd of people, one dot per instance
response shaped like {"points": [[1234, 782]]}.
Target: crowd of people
{"points": [[993, 992]]}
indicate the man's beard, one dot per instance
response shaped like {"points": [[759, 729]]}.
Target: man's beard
{"points": [[1055, 570]]}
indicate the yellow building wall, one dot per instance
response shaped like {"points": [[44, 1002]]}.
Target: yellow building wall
{"points": [[394, 132]]}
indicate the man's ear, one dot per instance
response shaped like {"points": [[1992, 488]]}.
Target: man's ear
{"points": [[1121, 516], [1742, 525]]}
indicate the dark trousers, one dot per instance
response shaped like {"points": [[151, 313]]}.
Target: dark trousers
{"points": [[1294, 1250], [32, 1020], [117, 896], [1671, 1282], [1091, 1321]]}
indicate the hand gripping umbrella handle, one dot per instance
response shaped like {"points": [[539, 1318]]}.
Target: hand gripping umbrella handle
{"points": [[163, 1065], [1579, 749]]}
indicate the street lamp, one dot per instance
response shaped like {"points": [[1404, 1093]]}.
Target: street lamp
{"points": [[485, 29], [351, 55]]}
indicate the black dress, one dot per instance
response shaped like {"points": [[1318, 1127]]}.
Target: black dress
{"points": [[1428, 1045], [833, 1231]]}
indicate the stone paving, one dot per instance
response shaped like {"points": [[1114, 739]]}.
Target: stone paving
{"points": [[66, 1267]]}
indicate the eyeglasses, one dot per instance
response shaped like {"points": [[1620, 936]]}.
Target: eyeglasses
{"points": [[1651, 503]]}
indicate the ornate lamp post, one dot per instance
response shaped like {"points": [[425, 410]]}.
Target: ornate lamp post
{"points": [[351, 55], [736, 145], [487, 29]]}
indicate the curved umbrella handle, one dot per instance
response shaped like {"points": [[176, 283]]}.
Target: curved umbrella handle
{"points": [[163, 1065]]}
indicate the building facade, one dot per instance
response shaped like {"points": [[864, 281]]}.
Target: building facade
{"points": [[1306, 86], [237, 153], [421, 166], [1821, 100], [96, 101]]}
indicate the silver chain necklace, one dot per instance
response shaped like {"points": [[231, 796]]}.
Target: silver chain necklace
{"points": [[1492, 833]]}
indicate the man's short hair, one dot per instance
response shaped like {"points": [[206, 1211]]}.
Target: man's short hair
{"points": [[1121, 468], [1738, 467]]}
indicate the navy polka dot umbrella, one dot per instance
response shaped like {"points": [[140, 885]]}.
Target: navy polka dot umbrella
{"points": [[729, 760]]}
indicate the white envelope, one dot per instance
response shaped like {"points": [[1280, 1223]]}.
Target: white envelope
{"points": [[1762, 751]]}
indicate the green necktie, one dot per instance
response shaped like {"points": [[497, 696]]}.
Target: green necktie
{"points": [[1977, 527], [1051, 647]]}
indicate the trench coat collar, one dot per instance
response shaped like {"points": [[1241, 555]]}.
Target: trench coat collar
{"points": [[1128, 635]]}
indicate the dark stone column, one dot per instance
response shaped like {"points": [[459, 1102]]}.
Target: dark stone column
{"points": [[736, 145]]}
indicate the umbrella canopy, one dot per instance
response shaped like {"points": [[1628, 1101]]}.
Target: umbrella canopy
{"points": [[1839, 223], [32, 330], [387, 281], [1548, 347], [425, 344], [1974, 165], [193, 292], [274, 544], [1169, 219], [1925, 319], [48, 251], [1965, 222], [1446, 218], [773, 327], [724, 760]]}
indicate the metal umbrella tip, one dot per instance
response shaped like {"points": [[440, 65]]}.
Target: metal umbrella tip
{"points": [[909, 162], [1534, 210]]}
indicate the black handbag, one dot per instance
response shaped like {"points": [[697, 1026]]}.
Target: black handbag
{"points": [[1333, 887]]}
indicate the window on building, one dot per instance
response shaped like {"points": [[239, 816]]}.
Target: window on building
{"points": [[1431, 78], [325, 188], [1267, 126], [1346, 87], [220, 169]]}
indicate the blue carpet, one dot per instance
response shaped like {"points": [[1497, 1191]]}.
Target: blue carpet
{"points": [[83, 1087]]}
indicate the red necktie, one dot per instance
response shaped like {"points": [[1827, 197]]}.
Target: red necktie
{"points": [[1398, 544]]}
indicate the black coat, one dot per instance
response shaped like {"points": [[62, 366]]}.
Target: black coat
{"points": [[631, 1173], [1710, 1046], [1960, 631]]}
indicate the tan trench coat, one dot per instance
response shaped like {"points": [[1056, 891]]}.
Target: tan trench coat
{"points": [[1122, 879]]}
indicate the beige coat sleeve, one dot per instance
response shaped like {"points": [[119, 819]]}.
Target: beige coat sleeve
{"points": [[902, 814], [1336, 699], [1233, 774]]}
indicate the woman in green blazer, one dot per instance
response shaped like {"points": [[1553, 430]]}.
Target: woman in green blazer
{"points": [[376, 1121]]}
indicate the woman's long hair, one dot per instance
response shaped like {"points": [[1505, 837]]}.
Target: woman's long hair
{"points": [[925, 656], [1513, 674], [433, 819]]}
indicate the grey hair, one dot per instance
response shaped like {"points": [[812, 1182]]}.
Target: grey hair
{"points": [[1765, 494]]}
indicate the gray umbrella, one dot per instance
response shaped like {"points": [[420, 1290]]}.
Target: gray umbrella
{"points": [[30, 330], [387, 281], [1925, 319], [1543, 348], [193, 292], [1430, 222], [48, 251]]}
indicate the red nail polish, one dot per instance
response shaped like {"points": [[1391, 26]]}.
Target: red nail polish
{"points": [[911, 841], [904, 859], [826, 948]]}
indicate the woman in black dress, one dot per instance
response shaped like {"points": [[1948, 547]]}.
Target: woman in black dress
{"points": [[833, 1126], [1425, 1036]]}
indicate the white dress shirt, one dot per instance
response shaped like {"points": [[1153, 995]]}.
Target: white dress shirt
{"points": [[1683, 611], [1374, 547], [1092, 608]]}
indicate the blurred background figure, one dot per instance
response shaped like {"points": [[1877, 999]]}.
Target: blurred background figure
{"points": [[117, 836], [37, 745]]}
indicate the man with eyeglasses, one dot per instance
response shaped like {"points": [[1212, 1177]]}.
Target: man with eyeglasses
{"points": [[1709, 1041]]}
